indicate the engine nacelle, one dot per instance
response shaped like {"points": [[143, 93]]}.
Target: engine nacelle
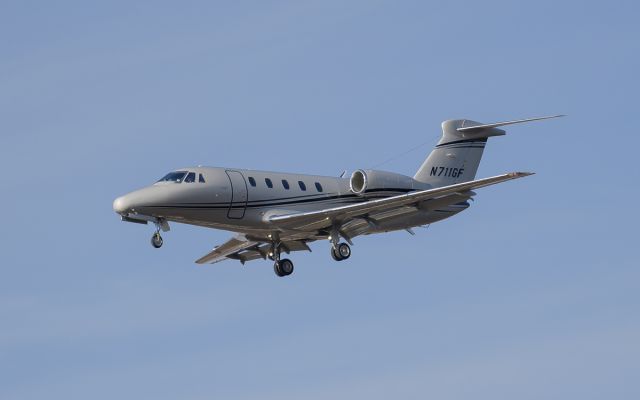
{"points": [[364, 182]]}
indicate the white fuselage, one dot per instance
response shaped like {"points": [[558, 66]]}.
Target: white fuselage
{"points": [[241, 200]]}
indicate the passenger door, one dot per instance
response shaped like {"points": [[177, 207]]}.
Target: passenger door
{"points": [[239, 195]]}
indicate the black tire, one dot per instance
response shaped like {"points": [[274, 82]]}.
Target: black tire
{"points": [[335, 255], [286, 267], [156, 240], [277, 270]]}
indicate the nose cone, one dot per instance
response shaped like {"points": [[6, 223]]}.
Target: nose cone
{"points": [[121, 205], [140, 200]]}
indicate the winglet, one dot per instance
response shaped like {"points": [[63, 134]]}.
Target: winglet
{"points": [[521, 174], [478, 128]]}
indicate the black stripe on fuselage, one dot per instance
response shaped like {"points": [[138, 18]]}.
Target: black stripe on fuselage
{"points": [[351, 198], [317, 196], [312, 197], [338, 201]]}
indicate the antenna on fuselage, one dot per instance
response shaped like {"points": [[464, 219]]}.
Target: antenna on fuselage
{"points": [[343, 173]]}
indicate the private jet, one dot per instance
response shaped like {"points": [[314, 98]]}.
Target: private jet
{"points": [[275, 212]]}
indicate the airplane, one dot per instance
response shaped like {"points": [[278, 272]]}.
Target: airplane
{"points": [[273, 212]]}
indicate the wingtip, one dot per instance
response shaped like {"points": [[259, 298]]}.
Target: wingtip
{"points": [[547, 117], [521, 174]]}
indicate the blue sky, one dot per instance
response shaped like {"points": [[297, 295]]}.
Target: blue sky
{"points": [[531, 293]]}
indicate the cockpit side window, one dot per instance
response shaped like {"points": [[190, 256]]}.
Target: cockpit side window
{"points": [[176, 176], [201, 179], [191, 177]]}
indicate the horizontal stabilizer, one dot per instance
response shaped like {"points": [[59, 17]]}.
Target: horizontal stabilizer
{"points": [[479, 128]]}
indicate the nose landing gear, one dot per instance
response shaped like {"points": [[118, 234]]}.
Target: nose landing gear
{"points": [[156, 240]]}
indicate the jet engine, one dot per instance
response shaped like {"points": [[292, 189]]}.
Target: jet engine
{"points": [[367, 182]]}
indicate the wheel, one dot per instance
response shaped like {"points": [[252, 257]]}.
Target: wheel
{"points": [[286, 266], [343, 251], [335, 255], [283, 267], [156, 240]]}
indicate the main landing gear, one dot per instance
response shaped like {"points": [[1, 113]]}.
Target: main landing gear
{"points": [[282, 267], [340, 251]]}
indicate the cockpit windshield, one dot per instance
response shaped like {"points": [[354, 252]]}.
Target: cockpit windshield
{"points": [[191, 177], [176, 176]]}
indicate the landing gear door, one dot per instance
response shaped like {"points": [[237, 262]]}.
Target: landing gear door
{"points": [[238, 204]]}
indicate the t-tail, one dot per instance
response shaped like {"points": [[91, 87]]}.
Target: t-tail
{"points": [[457, 155]]}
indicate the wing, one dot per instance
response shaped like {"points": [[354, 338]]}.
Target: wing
{"points": [[230, 247], [314, 220], [242, 249]]}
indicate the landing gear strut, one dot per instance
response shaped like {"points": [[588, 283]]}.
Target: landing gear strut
{"points": [[340, 252]]}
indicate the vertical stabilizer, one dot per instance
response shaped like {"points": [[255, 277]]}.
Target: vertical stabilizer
{"points": [[457, 155]]}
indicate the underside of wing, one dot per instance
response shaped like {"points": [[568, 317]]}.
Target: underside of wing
{"points": [[385, 220], [243, 249], [229, 248], [315, 220]]}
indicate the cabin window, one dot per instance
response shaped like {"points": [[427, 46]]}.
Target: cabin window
{"points": [[303, 187], [201, 178], [318, 187], [268, 182], [285, 184], [252, 181], [191, 177]]}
